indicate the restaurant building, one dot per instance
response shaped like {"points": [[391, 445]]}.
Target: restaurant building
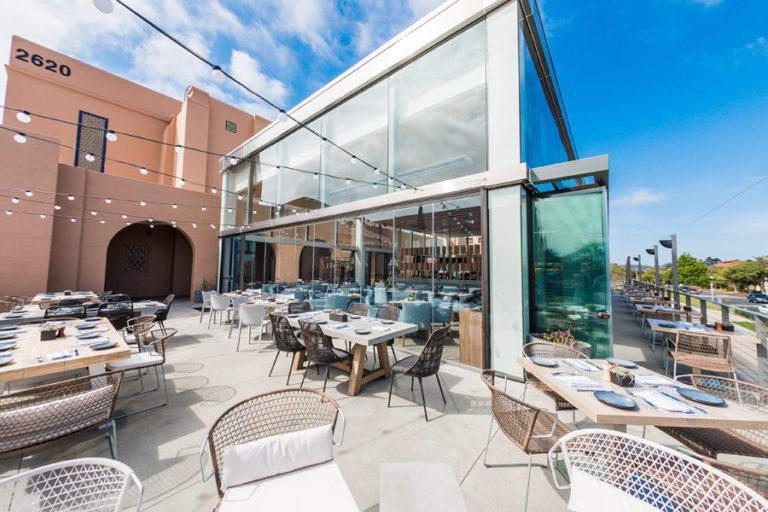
{"points": [[71, 232], [458, 195]]}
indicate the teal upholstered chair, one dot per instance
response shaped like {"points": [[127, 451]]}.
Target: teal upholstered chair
{"points": [[379, 295], [300, 294], [337, 301], [317, 304], [419, 313], [443, 311]]}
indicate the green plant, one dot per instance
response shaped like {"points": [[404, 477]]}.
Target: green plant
{"points": [[207, 286], [561, 337], [50, 326]]}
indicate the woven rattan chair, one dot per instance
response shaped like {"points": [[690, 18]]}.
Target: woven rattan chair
{"points": [[265, 415], [118, 313], [704, 352], [555, 351], [320, 350], [137, 324], [285, 341], [753, 478], [154, 345], [39, 415], [531, 429], [91, 484], [358, 308], [607, 463], [424, 365], [299, 307], [7, 305], [710, 442], [18, 300]]}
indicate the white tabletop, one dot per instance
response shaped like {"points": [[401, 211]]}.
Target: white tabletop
{"points": [[379, 332]]}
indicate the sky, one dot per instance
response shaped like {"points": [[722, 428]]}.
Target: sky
{"points": [[674, 91]]}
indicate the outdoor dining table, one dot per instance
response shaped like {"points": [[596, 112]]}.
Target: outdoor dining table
{"points": [[732, 415], [668, 327], [35, 358], [34, 313], [379, 334], [55, 297]]}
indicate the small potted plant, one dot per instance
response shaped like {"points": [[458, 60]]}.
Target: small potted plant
{"points": [[50, 331], [564, 337], [338, 315], [622, 376]]}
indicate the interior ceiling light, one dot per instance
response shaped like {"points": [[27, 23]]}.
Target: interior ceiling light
{"points": [[23, 116]]}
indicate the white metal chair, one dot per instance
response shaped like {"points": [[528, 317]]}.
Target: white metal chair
{"points": [[219, 305], [250, 315], [234, 308], [613, 470], [206, 303], [78, 484]]}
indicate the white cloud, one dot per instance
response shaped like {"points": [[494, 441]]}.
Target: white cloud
{"points": [[639, 197], [421, 7], [759, 45], [308, 20]]}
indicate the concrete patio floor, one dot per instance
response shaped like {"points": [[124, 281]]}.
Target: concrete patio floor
{"points": [[206, 376]]}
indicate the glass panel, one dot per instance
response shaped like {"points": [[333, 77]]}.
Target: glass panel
{"points": [[234, 196], [541, 143], [299, 150], [440, 111], [570, 267]]}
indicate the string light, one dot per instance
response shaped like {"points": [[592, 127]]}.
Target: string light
{"points": [[316, 176], [20, 138], [218, 75], [102, 221], [239, 197], [194, 226], [213, 190], [90, 157], [71, 197], [15, 200], [150, 220], [108, 200], [182, 182], [28, 193], [143, 203], [56, 207], [143, 171], [111, 136], [179, 149], [348, 181], [73, 220], [104, 6], [282, 116], [124, 216], [43, 216], [376, 171], [204, 208], [8, 212], [94, 213], [353, 160], [174, 206], [213, 226], [233, 160], [323, 143], [23, 116]]}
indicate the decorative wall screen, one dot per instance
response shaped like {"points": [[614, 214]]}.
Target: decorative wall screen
{"points": [[136, 260], [91, 140]]}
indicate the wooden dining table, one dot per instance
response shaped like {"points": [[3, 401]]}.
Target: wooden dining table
{"points": [[378, 337], [732, 415], [34, 312], [55, 297], [35, 358]]}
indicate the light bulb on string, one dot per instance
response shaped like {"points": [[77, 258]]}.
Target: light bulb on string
{"points": [[111, 136], [239, 197], [20, 138], [94, 212], [8, 212], [151, 220], [229, 210], [282, 116], [375, 185], [15, 200], [194, 226], [143, 171], [56, 207], [213, 190], [127, 223], [108, 200], [348, 181], [90, 157], [73, 220], [204, 208], [105, 6], [102, 221], [353, 160], [143, 203], [182, 182], [179, 149], [233, 160], [391, 180], [71, 197], [152, 226], [43, 216], [323, 143], [218, 75], [124, 216], [316, 176], [23, 116], [376, 171], [28, 193], [213, 226], [174, 206]]}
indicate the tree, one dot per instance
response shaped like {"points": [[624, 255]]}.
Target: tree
{"points": [[618, 273], [692, 271], [745, 273], [709, 261], [648, 276]]}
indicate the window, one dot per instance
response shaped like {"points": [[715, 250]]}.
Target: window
{"points": [[91, 141]]}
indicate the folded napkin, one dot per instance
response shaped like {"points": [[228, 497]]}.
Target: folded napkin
{"points": [[652, 380], [339, 326], [663, 402], [92, 341], [696, 329], [64, 354], [579, 382], [380, 328], [580, 365]]}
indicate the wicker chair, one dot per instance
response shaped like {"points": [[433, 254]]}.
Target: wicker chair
{"points": [[152, 356], [18, 300], [265, 415], [7, 305], [65, 311], [702, 351], [710, 442], [607, 466], [425, 364], [285, 341], [299, 307], [39, 415], [752, 478], [135, 325], [358, 308], [320, 350], [552, 350], [118, 313], [117, 297], [531, 429], [79, 484]]}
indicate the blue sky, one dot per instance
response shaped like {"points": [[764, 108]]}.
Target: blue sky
{"points": [[675, 91]]}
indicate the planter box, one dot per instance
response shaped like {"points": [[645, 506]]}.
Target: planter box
{"points": [[49, 335], [338, 317], [581, 346], [627, 381]]}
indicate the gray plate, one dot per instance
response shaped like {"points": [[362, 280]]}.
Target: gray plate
{"points": [[7, 345], [4, 360], [616, 400], [621, 362], [543, 361], [104, 345], [362, 331], [7, 336], [387, 322]]}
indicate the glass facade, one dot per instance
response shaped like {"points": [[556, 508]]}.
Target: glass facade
{"points": [[570, 265], [540, 138]]}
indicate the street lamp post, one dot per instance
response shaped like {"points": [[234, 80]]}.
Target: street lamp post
{"points": [[637, 271], [712, 288], [671, 243], [655, 253]]}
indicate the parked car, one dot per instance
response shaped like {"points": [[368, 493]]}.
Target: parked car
{"points": [[760, 298]]}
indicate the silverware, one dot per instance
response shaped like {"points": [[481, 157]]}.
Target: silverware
{"points": [[632, 394], [669, 395]]}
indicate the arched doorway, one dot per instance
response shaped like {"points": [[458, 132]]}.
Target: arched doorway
{"points": [[149, 262], [314, 263]]}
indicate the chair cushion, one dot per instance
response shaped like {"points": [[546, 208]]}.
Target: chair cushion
{"points": [[405, 364], [319, 488], [589, 494], [138, 360], [25, 426], [276, 455]]}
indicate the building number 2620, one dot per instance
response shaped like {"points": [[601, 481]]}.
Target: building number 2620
{"points": [[24, 56]]}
